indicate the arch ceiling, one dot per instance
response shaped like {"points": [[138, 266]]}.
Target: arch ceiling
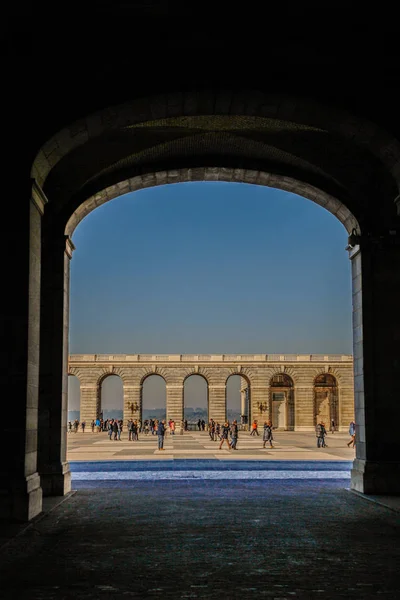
{"points": [[326, 149]]}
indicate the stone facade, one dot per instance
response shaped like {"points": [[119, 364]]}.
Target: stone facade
{"points": [[293, 390]]}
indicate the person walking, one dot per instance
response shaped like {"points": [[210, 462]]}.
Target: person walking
{"points": [[69, 427], [110, 429], [234, 434], [225, 435], [92, 425], [352, 433], [323, 434], [211, 429], [83, 425], [172, 427], [115, 429], [254, 428], [161, 434], [320, 432], [332, 425], [267, 434], [199, 424]]}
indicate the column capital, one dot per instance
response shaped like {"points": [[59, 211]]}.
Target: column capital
{"points": [[69, 246], [387, 240], [39, 198]]}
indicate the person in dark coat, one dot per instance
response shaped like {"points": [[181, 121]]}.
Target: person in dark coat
{"points": [[161, 434], [115, 429], [267, 434], [225, 435], [234, 434]]}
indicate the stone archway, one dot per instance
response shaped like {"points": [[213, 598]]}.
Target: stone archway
{"points": [[153, 401], [195, 383], [282, 402], [263, 134], [241, 392], [110, 403], [326, 400]]}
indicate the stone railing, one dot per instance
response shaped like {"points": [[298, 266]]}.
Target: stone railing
{"points": [[218, 358]]}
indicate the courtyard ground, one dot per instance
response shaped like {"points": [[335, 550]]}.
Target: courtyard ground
{"points": [[288, 445], [200, 527]]}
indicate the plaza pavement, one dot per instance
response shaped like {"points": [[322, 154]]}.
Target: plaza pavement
{"points": [[194, 522], [209, 539], [289, 445]]}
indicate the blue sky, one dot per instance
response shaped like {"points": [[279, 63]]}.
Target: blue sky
{"points": [[210, 267]]}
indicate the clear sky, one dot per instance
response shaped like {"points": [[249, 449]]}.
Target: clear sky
{"points": [[210, 267]]}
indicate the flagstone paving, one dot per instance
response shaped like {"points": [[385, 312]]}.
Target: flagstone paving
{"points": [[288, 446], [207, 539]]}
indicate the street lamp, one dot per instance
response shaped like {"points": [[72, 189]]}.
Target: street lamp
{"points": [[262, 406], [134, 407]]}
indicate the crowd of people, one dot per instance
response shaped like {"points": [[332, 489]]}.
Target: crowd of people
{"points": [[227, 434]]}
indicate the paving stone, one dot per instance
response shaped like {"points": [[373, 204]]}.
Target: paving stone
{"points": [[192, 539]]}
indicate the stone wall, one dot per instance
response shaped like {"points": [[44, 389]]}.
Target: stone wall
{"points": [[256, 370]]}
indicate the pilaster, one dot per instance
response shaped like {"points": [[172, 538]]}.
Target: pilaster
{"points": [[53, 398], [217, 402], [376, 336], [132, 402], [175, 408]]}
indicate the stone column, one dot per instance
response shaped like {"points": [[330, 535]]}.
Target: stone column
{"points": [[346, 406], [90, 403], [53, 395], [132, 402], [304, 407], [175, 403], [244, 386], [217, 402], [20, 490], [376, 338], [260, 395]]}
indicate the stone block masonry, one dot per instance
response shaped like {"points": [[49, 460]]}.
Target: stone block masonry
{"points": [[283, 388]]}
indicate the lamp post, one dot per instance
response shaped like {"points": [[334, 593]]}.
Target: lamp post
{"points": [[133, 406], [262, 406]]}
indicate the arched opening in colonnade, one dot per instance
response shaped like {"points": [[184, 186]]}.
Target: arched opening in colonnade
{"points": [[238, 399], [74, 398], [195, 400], [111, 397], [326, 400], [282, 402], [153, 397]]}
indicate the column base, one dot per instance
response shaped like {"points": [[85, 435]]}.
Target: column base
{"points": [[22, 501], [56, 479], [380, 478]]}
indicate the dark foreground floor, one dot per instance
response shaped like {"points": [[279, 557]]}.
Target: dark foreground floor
{"points": [[208, 540]]}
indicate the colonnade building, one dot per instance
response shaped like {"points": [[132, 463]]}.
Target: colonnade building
{"points": [[294, 391]]}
